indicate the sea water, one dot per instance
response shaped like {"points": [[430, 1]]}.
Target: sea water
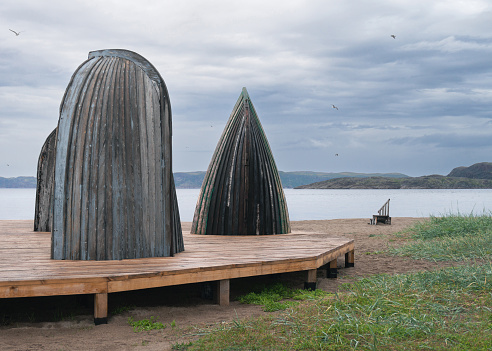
{"points": [[309, 204]]}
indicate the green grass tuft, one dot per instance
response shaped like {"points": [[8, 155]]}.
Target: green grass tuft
{"points": [[145, 324], [448, 309], [181, 346], [452, 237], [269, 297], [272, 297], [122, 309], [452, 226]]}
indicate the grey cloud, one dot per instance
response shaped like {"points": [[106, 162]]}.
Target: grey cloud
{"points": [[296, 60], [447, 141]]}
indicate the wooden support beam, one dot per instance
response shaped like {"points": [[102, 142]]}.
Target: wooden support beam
{"points": [[311, 280], [331, 270], [101, 308], [222, 292], [349, 259]]}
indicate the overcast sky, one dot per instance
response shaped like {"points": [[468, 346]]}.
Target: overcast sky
{"points": [[419, 103]]}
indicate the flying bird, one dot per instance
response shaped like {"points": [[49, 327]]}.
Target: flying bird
{"points": [[336, 154], [334, 106], [16, 33], [393, 36]]}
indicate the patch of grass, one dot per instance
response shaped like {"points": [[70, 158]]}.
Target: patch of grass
{"points": [[452, 237], [145, 324], [452, 226], [447, 309], [122, 309], [272, 297], [60, 314], [269, 297], [273, 306], [181, 346], [301, 294], [264, 294]]}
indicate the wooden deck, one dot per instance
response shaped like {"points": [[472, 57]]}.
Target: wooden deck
{"points": [[26, 268]]}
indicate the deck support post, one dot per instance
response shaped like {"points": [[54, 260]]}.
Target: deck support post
{"points": [[349, 259], [311, 281], [331, 269], [101, 308], [222, 292]]}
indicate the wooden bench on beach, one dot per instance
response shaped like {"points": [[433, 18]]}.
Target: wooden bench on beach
{"points": [[383, 215]]}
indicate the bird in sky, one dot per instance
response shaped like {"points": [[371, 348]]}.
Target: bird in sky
{"points": [[16, 33], [336, 154], [334, 106], [393, 36]]}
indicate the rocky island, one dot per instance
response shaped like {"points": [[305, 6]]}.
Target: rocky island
{"points": [[477, 176]]}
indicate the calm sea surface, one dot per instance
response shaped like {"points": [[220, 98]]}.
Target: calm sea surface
{"points": [[305, 204]]}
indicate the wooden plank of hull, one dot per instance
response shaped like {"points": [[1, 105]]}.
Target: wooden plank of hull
{"points": [[242, 193], [44, 188], [114, 194]]}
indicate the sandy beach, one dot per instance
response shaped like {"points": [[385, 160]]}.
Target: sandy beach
{"points": [[183, 305]]}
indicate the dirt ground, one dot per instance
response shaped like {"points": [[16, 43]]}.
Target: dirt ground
{"points": [[73, 328]]}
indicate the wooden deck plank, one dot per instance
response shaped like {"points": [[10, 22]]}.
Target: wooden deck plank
{"points": [[26, 268]]}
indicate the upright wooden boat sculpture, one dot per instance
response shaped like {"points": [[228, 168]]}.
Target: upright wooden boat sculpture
{"points": [[114, 194], [242, 193], [44, 188]]}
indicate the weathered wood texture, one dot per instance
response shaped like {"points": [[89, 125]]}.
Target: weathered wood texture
{"points": [[383, 214], [222, 292], [385, 209], [44, 189], [114, 194], [242, 193]]}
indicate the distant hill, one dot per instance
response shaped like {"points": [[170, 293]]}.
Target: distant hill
{"points": [[194, 180], [482, 170], [18, 182], [477, 176], [425, 182], [189, 180], [295, 179]]}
